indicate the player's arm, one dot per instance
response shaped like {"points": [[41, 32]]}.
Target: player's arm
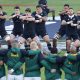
{"points": [[3, 52], [67, 70], [30, 18], [44, 62], [73, 58], [74, 23], [12, 16], [3, 16], [23, 17]]}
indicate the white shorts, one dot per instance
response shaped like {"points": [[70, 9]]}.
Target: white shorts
{"points": [[15, 77], [58, 79], [3, 78], [32, 78]]}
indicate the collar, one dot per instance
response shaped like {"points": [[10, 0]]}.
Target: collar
{"points": [[71, 16]]}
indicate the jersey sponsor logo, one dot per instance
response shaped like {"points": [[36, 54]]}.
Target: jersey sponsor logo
{"points": [[69, 63], [14, 55]]}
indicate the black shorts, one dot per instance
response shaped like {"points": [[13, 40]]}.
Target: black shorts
{"points": [[27, 35], [41, 32], [3, 32], [62, 31], [72, 36], [17, 32]]}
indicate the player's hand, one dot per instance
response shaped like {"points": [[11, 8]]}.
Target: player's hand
{"points": [[73, 73], [69, 22], [38, 16], [53, 70], [14, 15], [36, 21], [63, 22], [10, 71]]}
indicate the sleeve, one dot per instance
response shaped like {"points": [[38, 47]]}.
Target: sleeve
{"points": [[66, 70], [60, 59], [78, 57], [75, 21], [17, 66], [50, 59], [71, 57], [4, 13], [44, 62], [24, 53], [3, 52]]}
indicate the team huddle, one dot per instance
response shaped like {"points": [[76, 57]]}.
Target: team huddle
{"points": [[25, 64]]}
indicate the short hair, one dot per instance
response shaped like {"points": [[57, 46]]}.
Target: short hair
{"points": [[70, 8], [1, 7], [28, 10], [38, 6], [66, 5], [16, 7]]}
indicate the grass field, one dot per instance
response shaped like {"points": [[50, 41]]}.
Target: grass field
{"points": [[56, 4]]}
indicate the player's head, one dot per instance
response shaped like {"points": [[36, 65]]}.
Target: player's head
{"points": [[15, 44], [17, 9], [66, 7], [33, 45], [73, 49], [78, 13], [38, 8], [70, 11], [28, 11]]}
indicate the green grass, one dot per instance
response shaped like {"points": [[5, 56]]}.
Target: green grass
{"points": [[56, 4]]}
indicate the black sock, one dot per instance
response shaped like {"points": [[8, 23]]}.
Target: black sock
{"points": [[54, 42], [9, 46], [27, 47], [77, 49], [49, 46]]}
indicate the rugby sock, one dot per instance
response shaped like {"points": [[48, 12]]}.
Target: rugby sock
{"points": [[9, 44], [77, 49], [27, 47], [49, 46], [54, 42]]}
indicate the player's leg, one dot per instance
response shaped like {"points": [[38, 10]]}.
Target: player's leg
{"points": [[76, 41], [59, 34], [37, 39], [68, 44]]}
